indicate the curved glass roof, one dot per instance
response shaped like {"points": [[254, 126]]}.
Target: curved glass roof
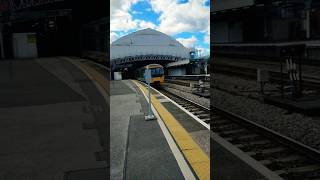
{"points": [[147, 42]]}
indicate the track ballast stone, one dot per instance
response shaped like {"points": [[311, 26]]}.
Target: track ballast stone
{"points": [[294, 125], [185, 92]]}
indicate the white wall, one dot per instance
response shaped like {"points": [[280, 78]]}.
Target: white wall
{"points": [[25, 45], [178, 71], [117, 75]]}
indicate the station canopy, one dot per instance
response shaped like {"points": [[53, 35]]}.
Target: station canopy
{"points": [[150, 44]]}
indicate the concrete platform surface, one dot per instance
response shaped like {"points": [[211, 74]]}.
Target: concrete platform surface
{"points": [[139, 150], [227, 166], [182, 128], [43, 105]]}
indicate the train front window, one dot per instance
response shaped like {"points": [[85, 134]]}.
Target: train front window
{"points": [[156, 72]]}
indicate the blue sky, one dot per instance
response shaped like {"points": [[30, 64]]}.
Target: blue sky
{"points": [[186, 21]]}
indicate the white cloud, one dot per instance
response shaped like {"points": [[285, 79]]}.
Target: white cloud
{"points": [[113, 36], [207, 36], [146, 24], [174, 18], [188, 42], [203, 51], [120, 18], [136, 12]]}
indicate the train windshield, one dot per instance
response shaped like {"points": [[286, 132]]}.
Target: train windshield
{"points": [[156, 72]]}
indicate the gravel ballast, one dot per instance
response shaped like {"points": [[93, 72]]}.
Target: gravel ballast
{"points": [[242, 97], [185, 92], [228, 93]]}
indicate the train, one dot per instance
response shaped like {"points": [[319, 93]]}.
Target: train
{"points": [[157, 74]]}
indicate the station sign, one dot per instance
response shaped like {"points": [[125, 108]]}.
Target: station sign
{"points": [[147, 75], [32, 38]]}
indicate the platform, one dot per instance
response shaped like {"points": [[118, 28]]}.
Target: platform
{"points": [[45, 107], [148, 151], [138, 148], [230, 163]]}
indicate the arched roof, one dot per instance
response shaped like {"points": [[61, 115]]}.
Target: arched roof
{"points": [[147, 42]]}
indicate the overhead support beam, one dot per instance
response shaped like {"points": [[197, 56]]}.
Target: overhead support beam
{"points": [[27, 16], [150, 57]]}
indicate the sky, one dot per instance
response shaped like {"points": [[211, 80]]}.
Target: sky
{"points": [[188, 21]]}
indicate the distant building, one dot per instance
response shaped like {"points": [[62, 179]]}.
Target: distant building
{"points": [[265, 27], [49, 27], [194, 66], [236, 21]]}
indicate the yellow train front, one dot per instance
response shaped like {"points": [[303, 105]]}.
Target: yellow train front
{"points": [[157, 74]]}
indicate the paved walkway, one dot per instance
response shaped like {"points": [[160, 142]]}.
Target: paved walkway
{"points": [[139, 149], [46, 106]]}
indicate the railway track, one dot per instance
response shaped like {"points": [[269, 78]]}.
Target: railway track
{"points": [[188, 80], [187, 83], [199, 111], [251, 73], [286, 157]]}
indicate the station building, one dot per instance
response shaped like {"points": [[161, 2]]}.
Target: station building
{"points": [[257, 27], [145, 47], [39, 28]]}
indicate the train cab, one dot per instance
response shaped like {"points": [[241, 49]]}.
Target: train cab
{"points": [[157, 74]]}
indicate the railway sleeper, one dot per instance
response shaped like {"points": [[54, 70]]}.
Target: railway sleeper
{"points": [[232, 132], [268, 151], [249, 146], [277, 165], [246, 137], [274, 155], [217, 120], [188, 106], [242, 139], [199, 112], [202, 116], [226, 127], [181, 103], [196, 111], [300, 170], [207, 120], [254, 143], [282, 160]]}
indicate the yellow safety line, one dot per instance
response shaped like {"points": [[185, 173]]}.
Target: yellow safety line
{"points": [[198, 160], [97, 76]]}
